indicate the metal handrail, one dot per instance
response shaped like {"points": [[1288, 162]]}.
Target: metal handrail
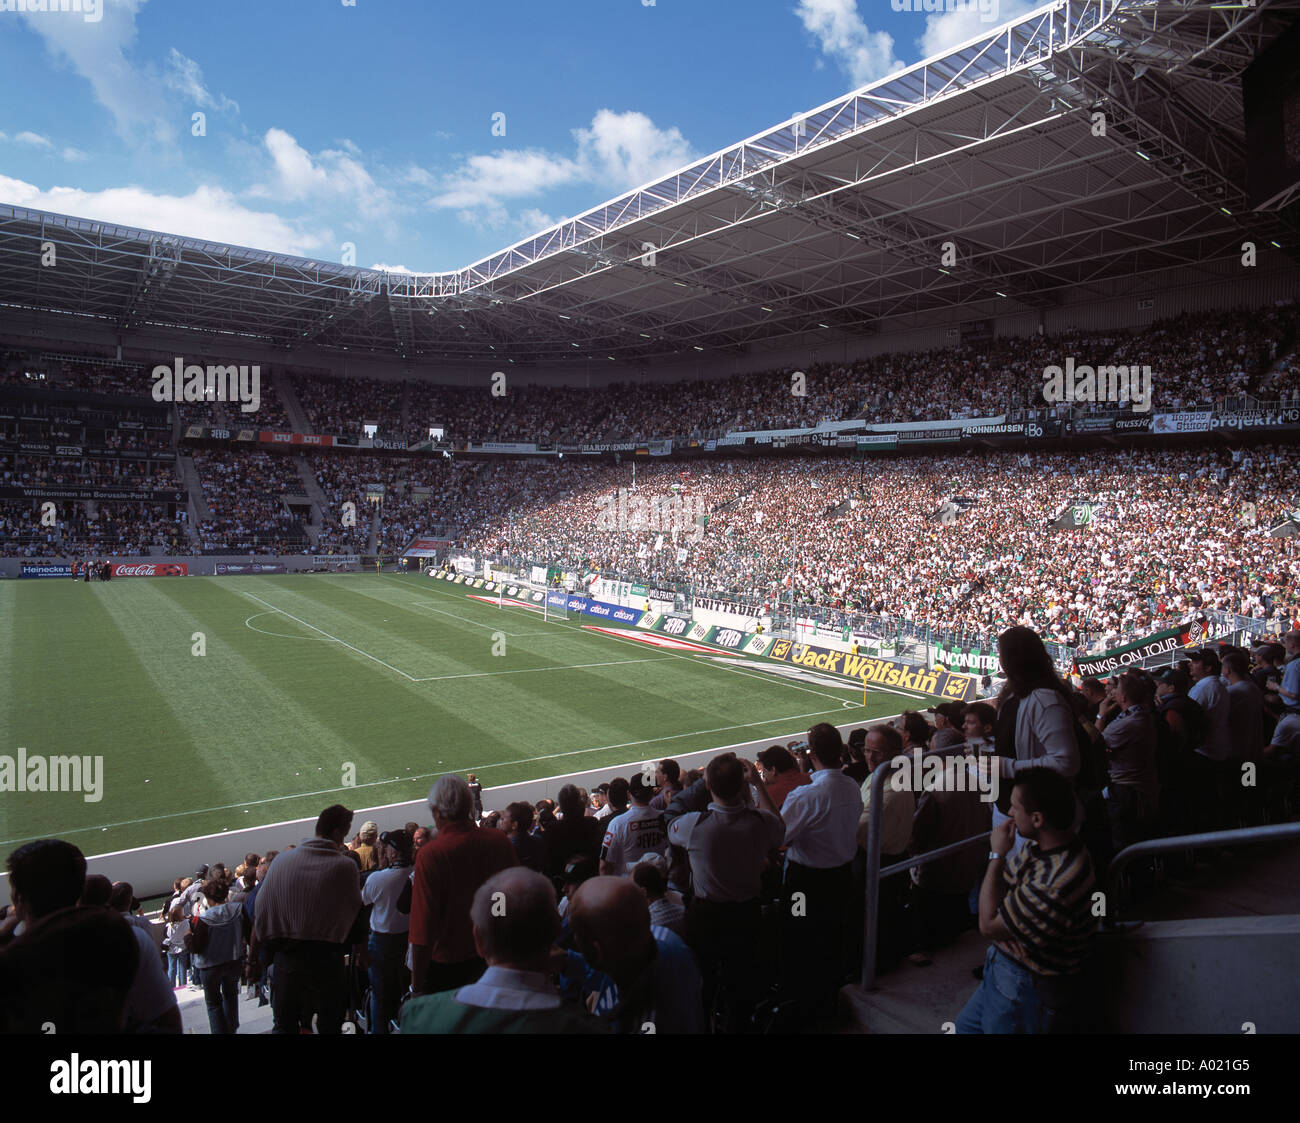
{"points": [[875, 829], [1240, 837]]}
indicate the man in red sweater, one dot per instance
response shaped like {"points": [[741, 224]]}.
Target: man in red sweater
{"points": [[448, 872]]}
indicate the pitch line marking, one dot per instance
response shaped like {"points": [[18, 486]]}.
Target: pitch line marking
{"points": [[431, 775], [278, 635], [420, 603], [431, 678], [535, 670], [758, 675], [291, 616]]}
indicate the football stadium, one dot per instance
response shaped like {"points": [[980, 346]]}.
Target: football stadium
{"points": [[846, 583]]}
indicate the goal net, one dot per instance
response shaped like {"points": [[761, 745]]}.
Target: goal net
{"points": [[549, 603]]}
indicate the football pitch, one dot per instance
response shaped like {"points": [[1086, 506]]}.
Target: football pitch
{"points": [[219, 703]]}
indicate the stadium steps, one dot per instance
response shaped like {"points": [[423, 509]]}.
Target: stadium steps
{"points": [[293, 410], [1246, 901], [189, 474], [320, 505]]}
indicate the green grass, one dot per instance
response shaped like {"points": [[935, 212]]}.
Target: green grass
{"points": [[304, 675]]}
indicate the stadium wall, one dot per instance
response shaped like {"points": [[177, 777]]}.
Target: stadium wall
{"points": [[152, 869], [198, 565]]}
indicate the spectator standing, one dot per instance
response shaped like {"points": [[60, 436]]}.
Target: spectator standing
{"points": [[1129, 729], [781, 773], [632, 835], [821, 837], [306, 908], [221, 958], [573, 834], [728, 846], [386, 891], [530, 849], [449, 870]]}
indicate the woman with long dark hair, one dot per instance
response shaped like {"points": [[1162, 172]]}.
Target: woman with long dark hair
{"points": [[1036, 724]]}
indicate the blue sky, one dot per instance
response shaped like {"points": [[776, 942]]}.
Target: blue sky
{"points": [[372, 123]]}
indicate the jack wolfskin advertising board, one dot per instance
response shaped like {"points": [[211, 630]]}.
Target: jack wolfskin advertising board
{"points": [[878, 672]]}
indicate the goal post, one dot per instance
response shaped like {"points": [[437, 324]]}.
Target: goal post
{"points": [[555, 604]]}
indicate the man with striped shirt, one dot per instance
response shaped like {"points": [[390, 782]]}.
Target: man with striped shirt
{"points": [[1038, 911]]}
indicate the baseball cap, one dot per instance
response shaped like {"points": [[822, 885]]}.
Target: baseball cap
{"points": [[578, 870], [1207, 656], [953, 711], [368, 829]]}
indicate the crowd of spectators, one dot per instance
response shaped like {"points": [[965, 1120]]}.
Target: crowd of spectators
{"points": [[419, 494], [86, 471], [245, 494], [1168, 537], [727, 899], [1196, 359], [116, 530]]}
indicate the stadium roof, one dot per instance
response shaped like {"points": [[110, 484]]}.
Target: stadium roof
{"points": [[835, 221]]}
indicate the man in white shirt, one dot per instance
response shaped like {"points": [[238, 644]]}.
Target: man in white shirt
{"points": [[389, 926], [821, 836], [637, 832]]}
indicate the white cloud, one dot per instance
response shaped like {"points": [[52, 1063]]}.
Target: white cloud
{"points": [[328, 175], [626, 149], [33, 139], [207, 212], [533, 221], [392, 268], [947, 29], [617, 152], [184, 75], [75, 155], [482, 181], [98, 52], [864, 55]]}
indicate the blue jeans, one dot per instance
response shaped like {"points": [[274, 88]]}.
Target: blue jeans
{"points": [[221, 990], [178, 968], [1013, 999], [387, 977]]}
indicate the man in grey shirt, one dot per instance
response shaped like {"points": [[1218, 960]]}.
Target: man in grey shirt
{"points": [[728, 846], [1208, 764], [1245, 708], [1129, 729]]}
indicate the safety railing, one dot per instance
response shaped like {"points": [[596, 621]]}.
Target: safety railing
{"points": [[875, 829], [1244, 836]]}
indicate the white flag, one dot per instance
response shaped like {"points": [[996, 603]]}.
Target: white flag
{"points": [[681, 555]]}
